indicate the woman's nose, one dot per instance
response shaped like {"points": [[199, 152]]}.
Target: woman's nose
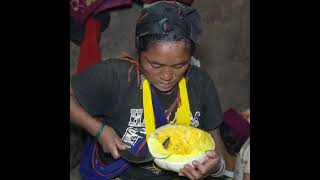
{"points": [[166, 74]]}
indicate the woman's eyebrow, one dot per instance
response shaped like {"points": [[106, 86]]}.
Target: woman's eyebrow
{"points": [[181, 63], [155, 62]]}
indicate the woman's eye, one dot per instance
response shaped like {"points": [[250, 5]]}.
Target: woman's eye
{"points": [[155, 65], [178, 66]]}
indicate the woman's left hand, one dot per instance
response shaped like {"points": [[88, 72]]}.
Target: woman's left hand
{"points": [[200, 171]]}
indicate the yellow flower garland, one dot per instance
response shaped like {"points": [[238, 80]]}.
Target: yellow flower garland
{"points": [[183, 112]]}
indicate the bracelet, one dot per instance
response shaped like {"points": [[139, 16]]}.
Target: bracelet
{"points": [[100, 131], [222, 168]]}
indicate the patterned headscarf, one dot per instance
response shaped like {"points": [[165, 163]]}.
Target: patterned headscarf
{"points": [[168, 17]]}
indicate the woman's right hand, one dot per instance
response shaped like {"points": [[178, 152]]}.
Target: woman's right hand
{"points": [[109, 139], [111, 142]]}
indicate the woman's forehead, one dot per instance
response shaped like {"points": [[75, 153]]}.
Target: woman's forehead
{"points": [[168, 46], [167, 53]]}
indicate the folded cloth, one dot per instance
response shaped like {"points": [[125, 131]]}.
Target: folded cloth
{"points": [[81, 10]]}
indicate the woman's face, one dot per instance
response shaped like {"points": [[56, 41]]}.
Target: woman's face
{"points": [[165, 63]]}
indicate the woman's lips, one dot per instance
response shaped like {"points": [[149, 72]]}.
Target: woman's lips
{"points": [[166, 86]]}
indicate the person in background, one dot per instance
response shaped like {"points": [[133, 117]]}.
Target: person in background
{"points": [[235, 133]]}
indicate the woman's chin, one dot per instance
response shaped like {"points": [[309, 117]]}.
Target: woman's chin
{"points": [[164, 88]]}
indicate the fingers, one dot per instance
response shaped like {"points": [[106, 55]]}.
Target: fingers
{"points": [[193, 172], [114, 150], [200, 170], [181, 174], [186, 172], [120, 145], [111, 142]]}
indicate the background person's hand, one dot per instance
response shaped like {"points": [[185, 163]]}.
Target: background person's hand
{"points": [[111, 142], [200, 171]]}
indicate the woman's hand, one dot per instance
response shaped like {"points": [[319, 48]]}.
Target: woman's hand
{"points": [[200, 171], [111, 142]]}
